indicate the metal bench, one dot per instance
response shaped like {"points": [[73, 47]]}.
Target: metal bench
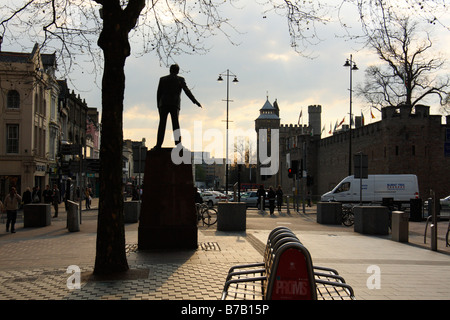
{"points": [[286, 273]]}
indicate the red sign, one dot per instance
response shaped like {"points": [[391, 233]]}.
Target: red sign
{"points": [[292, 280]]}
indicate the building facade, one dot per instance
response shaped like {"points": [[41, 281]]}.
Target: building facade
{"points": [[38, 114], [28, 119]]}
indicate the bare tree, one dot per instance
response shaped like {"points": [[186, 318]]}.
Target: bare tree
{"points": [[399, 33], [409, 73]]}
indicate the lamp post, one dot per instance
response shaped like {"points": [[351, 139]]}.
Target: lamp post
{"points": [[227, 74], [352, 67]]}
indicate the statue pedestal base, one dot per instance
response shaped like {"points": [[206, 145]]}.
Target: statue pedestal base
{"points": [[168, 220]]}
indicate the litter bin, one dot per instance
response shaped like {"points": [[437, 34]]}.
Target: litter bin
{"points": [[400, 226], [73, 218], [415, 207]]}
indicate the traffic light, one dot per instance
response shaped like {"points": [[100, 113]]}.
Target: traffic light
{"points": [[290, 174], [294, 166]]}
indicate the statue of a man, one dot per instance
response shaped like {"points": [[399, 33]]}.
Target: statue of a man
{"points": [[168, 99]]}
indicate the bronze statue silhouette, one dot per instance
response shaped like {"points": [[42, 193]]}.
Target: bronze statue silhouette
{"points": [[169, 100]]}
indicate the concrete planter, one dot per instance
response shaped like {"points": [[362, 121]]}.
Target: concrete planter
{"points": [[329, 213], [37, 215], [131, 211], [371, 220], [231, 216]]}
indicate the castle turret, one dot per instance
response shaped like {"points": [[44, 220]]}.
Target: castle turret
{"points": [[315, 123], [268, 119]]}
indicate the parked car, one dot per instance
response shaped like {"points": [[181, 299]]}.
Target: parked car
{"points": [[251, 199], [212, 197], [445, 203]]}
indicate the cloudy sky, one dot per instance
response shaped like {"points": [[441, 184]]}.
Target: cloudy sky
{"points": [[266, 67]]}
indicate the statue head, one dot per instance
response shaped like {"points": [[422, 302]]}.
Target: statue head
{"points": [[174, 69]]}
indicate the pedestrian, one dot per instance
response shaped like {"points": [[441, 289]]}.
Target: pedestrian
{"points": [[47, 194], [279, 194], [12, 201], [2, 208], [197, 196], [309, 199], [271, 195], [86, 198], [36, 195], [261, 194], [26, 197], [56, 198]]}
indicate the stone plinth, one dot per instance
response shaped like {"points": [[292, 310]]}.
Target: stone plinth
{"points": [[168, 219]]}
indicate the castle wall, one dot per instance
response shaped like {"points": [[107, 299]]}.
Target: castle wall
{"points": [[398, 144]]}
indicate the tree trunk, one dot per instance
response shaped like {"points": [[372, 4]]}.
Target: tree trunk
{"points": [[110, 254]]}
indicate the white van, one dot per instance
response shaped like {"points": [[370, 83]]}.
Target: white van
{"points": [[399, 187]]}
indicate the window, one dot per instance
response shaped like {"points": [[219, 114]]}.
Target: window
{"points": [[343, 187], [12, 138], [13, 99]]}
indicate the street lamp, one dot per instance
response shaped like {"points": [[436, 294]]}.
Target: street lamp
{"points": [[227, 74], [352, 67]]}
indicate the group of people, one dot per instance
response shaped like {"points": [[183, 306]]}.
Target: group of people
{"points": [[271, 195], [13, 201]]}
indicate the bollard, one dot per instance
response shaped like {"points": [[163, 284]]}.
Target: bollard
{"points": [[73, 217], [287, 205], [434, 214]]}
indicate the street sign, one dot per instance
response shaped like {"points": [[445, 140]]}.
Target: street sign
{"points": [[361, 167], [71, 149]]}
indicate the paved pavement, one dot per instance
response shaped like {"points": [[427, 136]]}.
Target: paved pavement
{"points": [[34, 261]]}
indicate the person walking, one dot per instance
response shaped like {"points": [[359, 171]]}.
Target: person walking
{"points": [[2, 208], [87, 195], [279, 194], [271, 195], [36, 195], [12, 201], [26, 196], [56, 199], [168, 98], [47, 194]]}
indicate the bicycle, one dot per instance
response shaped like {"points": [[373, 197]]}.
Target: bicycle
{"points": [[348, 218], [206, 214]]}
